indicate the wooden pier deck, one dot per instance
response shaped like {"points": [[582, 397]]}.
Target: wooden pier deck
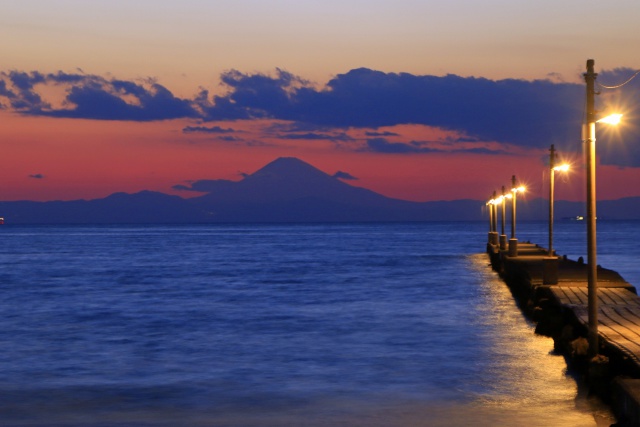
{"points": [[567, 301], [618, 316]]}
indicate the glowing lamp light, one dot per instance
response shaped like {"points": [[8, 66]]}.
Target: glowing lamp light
{"points": [[520, 189], [562, 168], [612, 119]]}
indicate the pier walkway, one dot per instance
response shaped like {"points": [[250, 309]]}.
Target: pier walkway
{"points": [[554, 294]]}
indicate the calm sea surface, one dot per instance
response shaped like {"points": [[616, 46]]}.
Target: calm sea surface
{"points": [[287, 325]]}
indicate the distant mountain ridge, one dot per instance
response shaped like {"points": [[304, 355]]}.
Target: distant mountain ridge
{"points": [[285, 190], [290, 190]]}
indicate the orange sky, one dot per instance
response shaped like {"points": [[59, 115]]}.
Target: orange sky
{"points": [[91, 159], [186, 45]]}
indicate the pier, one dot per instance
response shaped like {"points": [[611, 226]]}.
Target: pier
{"points": [[553, 292]]}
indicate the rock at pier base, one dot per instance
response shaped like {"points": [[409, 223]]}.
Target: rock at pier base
{"points": [[599, 377]]}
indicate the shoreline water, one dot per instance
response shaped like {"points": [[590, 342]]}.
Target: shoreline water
{"points": [[294, 325]]}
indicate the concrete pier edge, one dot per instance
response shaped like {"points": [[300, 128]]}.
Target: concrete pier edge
{"points": [[613, 375]]}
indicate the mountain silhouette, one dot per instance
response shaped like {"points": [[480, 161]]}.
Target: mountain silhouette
{"points": [[285, 190], [284, 179], [118, 208], [291, 190]]}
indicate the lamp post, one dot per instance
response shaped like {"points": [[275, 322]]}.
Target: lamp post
{"points": [[489, 205], [552, 159], [590, 140], [493, 220], [550, 262], [494, 204], [503, 237], [513, 242], [592, 272], [552, 169]]}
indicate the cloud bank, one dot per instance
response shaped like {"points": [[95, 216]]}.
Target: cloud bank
{"points": [[530, 114], [93, 97]]}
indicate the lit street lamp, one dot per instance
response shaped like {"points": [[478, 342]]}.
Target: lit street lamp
{"points": [[513, 242], [493, 220], [494, 204], [590, 140], [503, 237], [489, 205]]}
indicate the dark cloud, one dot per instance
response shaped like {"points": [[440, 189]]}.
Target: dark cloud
{"points": [[106, 102], [556, 77], [619, 145], [230, 139], [317, 136], [94, 97], [4, 91], [529, 113], [204, 129], [299, 127], [381, 134], [344, 175], [382, 145], [25, 81], [464, 139], [254, 96], [37, 176], [483, 150], [524, 113], [618, 76], [22, 96]]}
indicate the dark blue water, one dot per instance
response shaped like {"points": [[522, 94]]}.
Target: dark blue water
{"points": [[291, 325]]}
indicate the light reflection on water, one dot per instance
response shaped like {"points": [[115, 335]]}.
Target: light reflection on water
{"points": [[530, 381]]}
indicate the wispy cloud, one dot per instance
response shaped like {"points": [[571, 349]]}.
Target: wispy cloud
{"points": [[341, 136], [382, 145], [380, 134], [205, 129]]}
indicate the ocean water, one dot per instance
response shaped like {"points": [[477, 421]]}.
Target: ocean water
{"points": [[281, 325]]}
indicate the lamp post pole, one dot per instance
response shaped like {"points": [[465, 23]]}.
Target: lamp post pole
{"points": [[513, 207], [592, 272], [490, 206], [503, 237], [513, 242], [492, 217], [495, 219], [552, 160]]}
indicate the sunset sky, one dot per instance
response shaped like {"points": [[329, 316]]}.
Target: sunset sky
{"points": [[414, 99]]}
